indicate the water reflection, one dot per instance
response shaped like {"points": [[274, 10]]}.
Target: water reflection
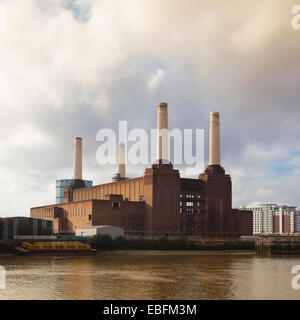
{"points": [[154, 275]]}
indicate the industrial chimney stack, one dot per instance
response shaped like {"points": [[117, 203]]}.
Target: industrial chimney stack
{"points": [[214, 139], [162, 133], [78, 158], [120, 175], [121, 160]]}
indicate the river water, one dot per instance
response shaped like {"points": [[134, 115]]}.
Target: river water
{"points": [[151, 275]]}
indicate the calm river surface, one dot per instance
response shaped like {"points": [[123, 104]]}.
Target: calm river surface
{"points": [[150, 275]]}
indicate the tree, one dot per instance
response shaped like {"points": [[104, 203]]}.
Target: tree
{"points": [[164, 243], [102, 242], [120, 242]]}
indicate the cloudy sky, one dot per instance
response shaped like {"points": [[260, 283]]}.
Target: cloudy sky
{"points": [[69, 68]]}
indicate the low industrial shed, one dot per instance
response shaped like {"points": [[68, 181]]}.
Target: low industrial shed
{"points": [[95, 230], [12, 226]]}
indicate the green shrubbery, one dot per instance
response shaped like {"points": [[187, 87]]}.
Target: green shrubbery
{"points": [[106, 242], [103, 242], [120, 243]]}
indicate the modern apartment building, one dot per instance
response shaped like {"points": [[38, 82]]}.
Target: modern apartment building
{"points": [[284, 219], [257, 218], [297, 222], [262, 217], [273, 218]]}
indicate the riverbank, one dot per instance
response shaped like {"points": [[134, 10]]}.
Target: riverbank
{"points": [[104, 243], [125, 253], [175, 252], [6, 249]]}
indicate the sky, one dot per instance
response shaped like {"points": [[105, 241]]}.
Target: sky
{"points": [[69, 68]]}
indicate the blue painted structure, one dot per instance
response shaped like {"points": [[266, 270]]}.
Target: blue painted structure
{"points": [[62, 184]]}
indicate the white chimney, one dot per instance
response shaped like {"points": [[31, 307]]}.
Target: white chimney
{"points": [[121, 160], [214, 139], [78, 158], [162, 133]]}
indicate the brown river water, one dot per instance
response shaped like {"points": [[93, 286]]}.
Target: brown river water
{"points": [[151, 275]]}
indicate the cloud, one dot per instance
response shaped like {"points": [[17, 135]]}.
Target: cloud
{"points": [[295, 161], [155, 78], [70, 68]]}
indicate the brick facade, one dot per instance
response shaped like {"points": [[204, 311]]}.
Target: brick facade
{"points": [[158, 203]]}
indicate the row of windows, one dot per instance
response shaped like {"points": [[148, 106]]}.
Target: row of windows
{"points": [[189, 203], [67, 213], [191, 196], [75, 212], [190, 211], [42, 215]]}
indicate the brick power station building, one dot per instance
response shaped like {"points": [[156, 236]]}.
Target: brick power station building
{"points": [[158, 203]]}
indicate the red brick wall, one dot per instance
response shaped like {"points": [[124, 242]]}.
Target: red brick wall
{"points": [[218, 199], [66, 217], [192, 206], [131, 189], [276, 224], [286, 223], [162, 194], [246, 222], [130, 215]]}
